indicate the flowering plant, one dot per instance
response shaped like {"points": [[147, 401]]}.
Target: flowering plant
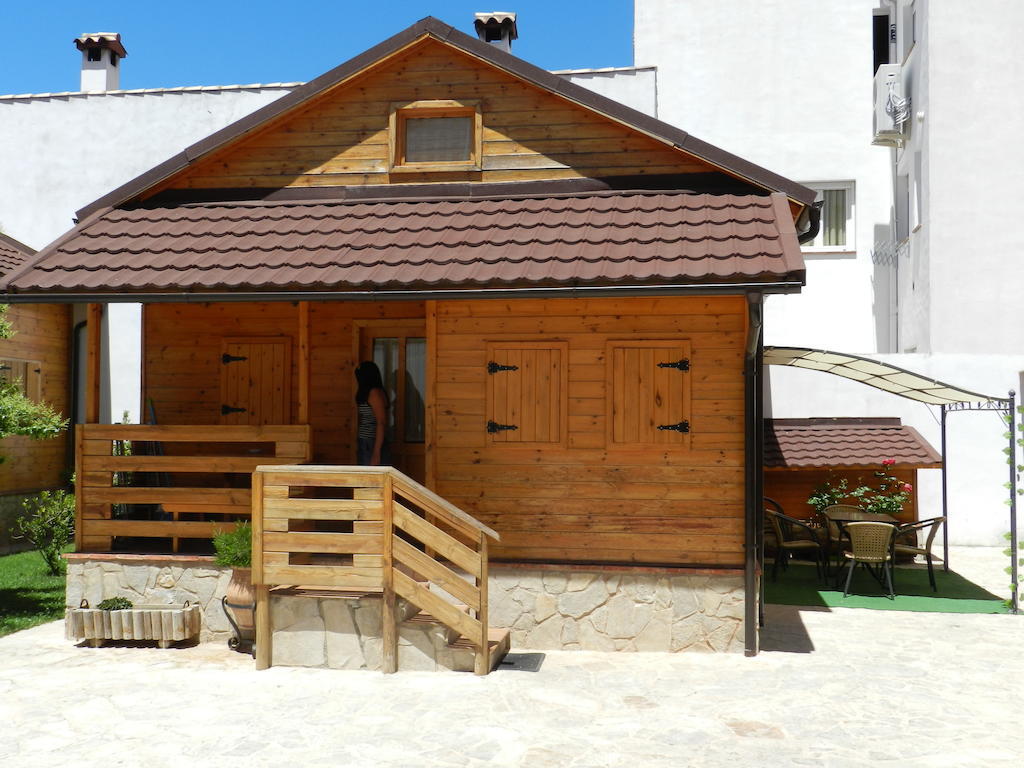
{"points": [[886, 495]]}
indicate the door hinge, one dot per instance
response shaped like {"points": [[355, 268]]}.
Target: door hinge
{"points": [[682, 426], [679, 365], [493, 367], [493, 427], [226, 409], [226, 358]]}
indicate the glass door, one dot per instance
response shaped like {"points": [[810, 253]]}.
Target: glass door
{"points": [[400, 351]]}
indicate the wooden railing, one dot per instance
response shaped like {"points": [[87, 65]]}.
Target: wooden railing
{"points": [[366, 529], [155, 486]]}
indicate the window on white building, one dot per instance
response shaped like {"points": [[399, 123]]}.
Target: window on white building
{"points": [[836, 232]]}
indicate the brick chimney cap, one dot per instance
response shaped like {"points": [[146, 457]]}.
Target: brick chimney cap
{"points": [[111, 40]]}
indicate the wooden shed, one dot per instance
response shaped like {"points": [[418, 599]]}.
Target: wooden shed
{"points": [[37, 356], [564, 294]]}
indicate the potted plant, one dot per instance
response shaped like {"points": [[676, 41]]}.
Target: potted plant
{"points": [[233, 549]]}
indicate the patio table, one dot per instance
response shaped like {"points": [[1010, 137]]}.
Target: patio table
{"points": [[842, 516]]}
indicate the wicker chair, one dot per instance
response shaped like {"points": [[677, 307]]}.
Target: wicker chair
{"points": [[932, 526], [837, 539], [771, 541], [788, 542], [871, 544]]}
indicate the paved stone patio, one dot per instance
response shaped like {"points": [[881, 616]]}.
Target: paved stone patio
{"points": [[845, 687]]}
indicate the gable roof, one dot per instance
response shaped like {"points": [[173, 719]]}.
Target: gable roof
{"points": [[486, 52], [12, 254], [845, 443], [613, 239]]}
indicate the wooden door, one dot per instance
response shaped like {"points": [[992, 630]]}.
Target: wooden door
{"points": [[399, 348], [255, 380]]}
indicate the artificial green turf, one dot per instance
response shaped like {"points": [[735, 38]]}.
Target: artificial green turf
{"points": [[798, 585], [28, 594]]}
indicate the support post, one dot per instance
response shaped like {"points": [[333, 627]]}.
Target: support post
{"points": [[482, 662], [303, 368], [264, 631], [945, 494], [389, 622], [1012, 457], [94, 315], [264, 635], [754, 465]]}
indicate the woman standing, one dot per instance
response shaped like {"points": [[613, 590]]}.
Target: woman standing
{"points": [[372, 404]]}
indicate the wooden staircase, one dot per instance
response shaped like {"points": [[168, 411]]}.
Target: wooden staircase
{"points": [[368, 529]]}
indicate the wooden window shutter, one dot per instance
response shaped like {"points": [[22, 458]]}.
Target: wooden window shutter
{"points": [[648, 393], [526, 393]]}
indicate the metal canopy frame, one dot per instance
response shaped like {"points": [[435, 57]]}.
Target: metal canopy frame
{"points": [[950, 399]]}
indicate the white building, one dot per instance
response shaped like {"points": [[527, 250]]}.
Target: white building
{"points": [[916, 260]]}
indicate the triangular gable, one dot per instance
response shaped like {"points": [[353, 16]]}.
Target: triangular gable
{"points": [[255, 152]]}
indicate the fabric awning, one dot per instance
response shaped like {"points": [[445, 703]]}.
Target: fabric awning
{"points": [[874, 373]]}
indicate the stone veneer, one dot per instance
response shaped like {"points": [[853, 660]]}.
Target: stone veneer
{"points": [[618, 609], [154, 579]]}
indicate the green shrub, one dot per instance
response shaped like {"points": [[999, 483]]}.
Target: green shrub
{"points": [[115, 604], [234, 548], [49, 525]]}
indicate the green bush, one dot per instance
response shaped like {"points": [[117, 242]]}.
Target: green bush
{"points": [[49, 525], [115, 604], [234, 548]]}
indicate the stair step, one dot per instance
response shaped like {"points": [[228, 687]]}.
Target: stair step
{"points": [[499, 642]]}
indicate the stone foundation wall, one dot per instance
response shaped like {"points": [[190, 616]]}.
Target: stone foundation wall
{"points": [[626, 609], [153, 579]]}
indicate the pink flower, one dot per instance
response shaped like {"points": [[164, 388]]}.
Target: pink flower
{"points": [[888, 462], [908, 487]]}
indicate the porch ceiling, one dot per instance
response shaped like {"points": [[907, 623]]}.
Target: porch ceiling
{"points": [[593, 238]]}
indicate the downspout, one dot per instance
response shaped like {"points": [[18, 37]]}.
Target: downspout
{"points": [[74, 368], [808, 223], [753, 471]]}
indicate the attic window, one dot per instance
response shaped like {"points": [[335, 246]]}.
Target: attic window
{"points": [[437, 135]]}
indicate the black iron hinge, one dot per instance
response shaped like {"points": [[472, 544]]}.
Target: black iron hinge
{"points": [[679, 365], [227, 409], [493, 427], [226, 358], [493, 367], [682, 426]]}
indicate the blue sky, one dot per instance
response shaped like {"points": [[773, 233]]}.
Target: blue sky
{"points": [[218, 42]]}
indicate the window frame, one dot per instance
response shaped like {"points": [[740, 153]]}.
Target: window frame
{"points": [[850, 246], [403, 111]]}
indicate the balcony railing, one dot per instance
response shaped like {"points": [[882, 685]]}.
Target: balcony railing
{"points": [[143, 488]]}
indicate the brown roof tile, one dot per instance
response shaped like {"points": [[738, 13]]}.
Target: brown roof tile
{"points": [[12, 254], [597, 238], [845, 443]]}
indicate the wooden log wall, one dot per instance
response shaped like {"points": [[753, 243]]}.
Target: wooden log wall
{"points": [[791, 487], [183, 360], [43, 332], [342, 138], [584, 499]]}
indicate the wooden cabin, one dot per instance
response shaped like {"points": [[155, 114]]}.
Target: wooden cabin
{"points": [[564, 295], [37, 356]]}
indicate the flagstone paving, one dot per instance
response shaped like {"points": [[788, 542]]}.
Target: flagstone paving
{"points": [[845, 687]]}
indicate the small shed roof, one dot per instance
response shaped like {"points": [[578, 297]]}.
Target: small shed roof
{"points": [[611, 238], [845, 443], [12, 254]]}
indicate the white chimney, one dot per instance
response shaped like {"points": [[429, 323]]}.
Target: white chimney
{"points": [[101, 56], [497, 27]]}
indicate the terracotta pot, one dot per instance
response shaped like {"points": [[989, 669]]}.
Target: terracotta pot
{"points": [[241, 598]]}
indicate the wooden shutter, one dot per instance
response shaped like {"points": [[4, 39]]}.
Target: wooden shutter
{"points": [[526, 393], [648, 393], [255, 381]]}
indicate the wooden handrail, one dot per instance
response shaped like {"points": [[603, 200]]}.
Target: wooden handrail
{"points": [[293, 544]]}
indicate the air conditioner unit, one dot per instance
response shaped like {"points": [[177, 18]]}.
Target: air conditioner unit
{"points": [[892, 109]]}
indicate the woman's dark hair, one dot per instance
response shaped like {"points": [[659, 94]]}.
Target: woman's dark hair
{"points": [[369, 378]]}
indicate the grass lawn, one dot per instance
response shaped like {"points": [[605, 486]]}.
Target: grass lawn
{"points": [[28, 594]]}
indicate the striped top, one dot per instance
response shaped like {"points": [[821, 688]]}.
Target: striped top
{"points": [[367, 422]]}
